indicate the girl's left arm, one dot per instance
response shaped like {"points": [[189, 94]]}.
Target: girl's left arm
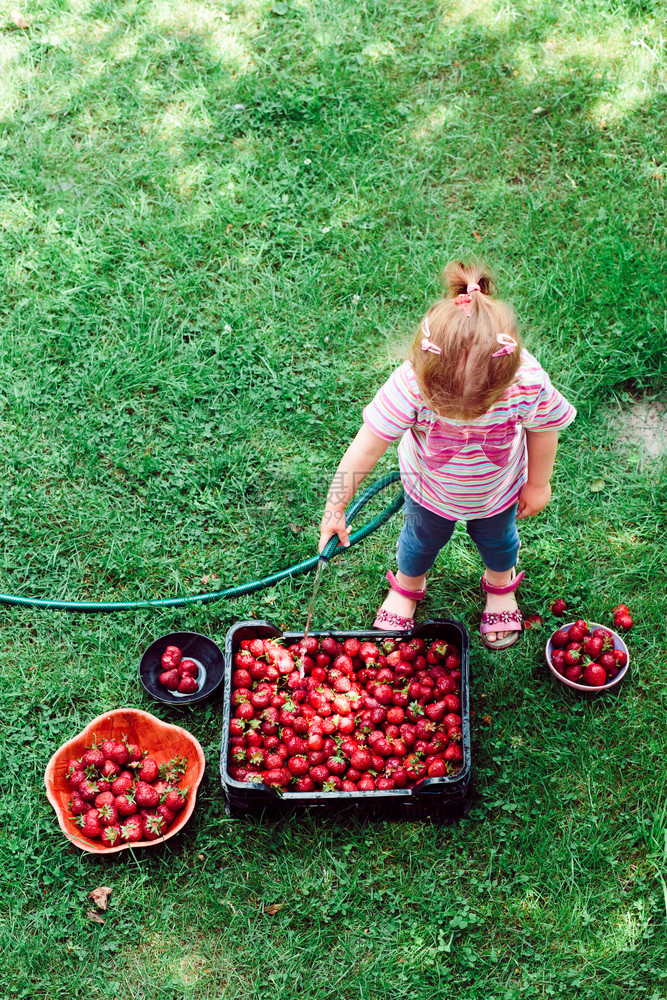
{"points": [[536, 492]]}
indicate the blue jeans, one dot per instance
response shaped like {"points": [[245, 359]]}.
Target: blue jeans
{"points": [[425, 533]]}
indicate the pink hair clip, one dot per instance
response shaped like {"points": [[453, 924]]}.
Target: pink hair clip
{"points": [[465, 301], [472, 286], [426, 343], [509, 343]]}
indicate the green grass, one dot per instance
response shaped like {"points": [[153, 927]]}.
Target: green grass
{"points": [[219, 224]]}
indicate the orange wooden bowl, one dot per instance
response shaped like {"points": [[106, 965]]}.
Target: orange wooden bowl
{"points": [[162, 741]]}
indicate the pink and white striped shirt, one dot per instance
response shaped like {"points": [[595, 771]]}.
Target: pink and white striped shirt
{"points": [[466, 469]]}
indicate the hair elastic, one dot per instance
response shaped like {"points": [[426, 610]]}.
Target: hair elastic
{"points": [[509, 344], [426, 343], [472, 287]]}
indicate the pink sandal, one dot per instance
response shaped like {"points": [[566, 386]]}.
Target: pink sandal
{"points": [[503, 621], [386, 620]]}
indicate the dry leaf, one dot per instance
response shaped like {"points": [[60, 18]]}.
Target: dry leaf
{"points": [[478, 236], [95, 917], [273, 908], [597, 486], [18, 18], [100, 896]]}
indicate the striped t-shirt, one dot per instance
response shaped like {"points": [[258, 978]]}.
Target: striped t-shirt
{"points": [[466, 469]]}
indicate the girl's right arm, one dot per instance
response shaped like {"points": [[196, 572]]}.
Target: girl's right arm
{"points": [[362, 455]]}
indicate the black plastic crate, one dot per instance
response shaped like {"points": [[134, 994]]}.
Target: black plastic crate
{"points": [[443, 799]]}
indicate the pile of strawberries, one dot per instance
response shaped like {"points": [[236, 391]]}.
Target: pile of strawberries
{"points": [[345, 716], [121, 795], [178, 674], [586, 657]]}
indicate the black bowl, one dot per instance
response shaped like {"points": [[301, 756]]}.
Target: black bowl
{"points": [[193, 646]]}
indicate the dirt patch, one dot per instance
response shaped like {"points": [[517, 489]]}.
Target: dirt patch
{"points": [[644, 424]]}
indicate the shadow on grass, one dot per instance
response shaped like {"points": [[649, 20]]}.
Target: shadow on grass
{"points": [[213, 210]]}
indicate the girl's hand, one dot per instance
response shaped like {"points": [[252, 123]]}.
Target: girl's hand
{"points": [[333, 523], [533, 499]]}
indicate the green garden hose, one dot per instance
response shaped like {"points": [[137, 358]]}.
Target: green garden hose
{"points": [[331, 549]]}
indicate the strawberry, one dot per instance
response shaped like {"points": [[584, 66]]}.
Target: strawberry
{"points": [[400, 776], [88, 790], [154, 826], [241, 678], [134, 754], [123, 783], [110, 770], [171, 657], [336, 765], [620, 656], [107, 815], [277, 777], [93, 757], [620, 609], [414, 767], [167, 814], [175, 799], [188, 685], [560, 638], [89, 824], [368, 651], [623, 622], [595, 675], [170, 679], [145, 795], [132, 830], [532, 621], [149, 770], [104, 799], [573, 673], [75, 778], [559, 607], [111, 835], [319, 774], [298, 765], [360, 760], [107, 747], [593, 646], [120, 754], [125, 805], [188, 668], [78, 806]]}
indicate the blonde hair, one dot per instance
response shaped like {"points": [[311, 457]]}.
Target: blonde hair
{"points": [[463, 379]]}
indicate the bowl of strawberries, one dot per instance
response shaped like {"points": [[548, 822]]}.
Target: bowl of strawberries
{"points": [[127, 780], [586, 656], [182, 668]]}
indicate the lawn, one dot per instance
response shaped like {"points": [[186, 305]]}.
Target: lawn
{"points": [[219, 226]]}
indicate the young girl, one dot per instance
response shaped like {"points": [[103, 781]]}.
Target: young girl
{"points": [[478, 421]]}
